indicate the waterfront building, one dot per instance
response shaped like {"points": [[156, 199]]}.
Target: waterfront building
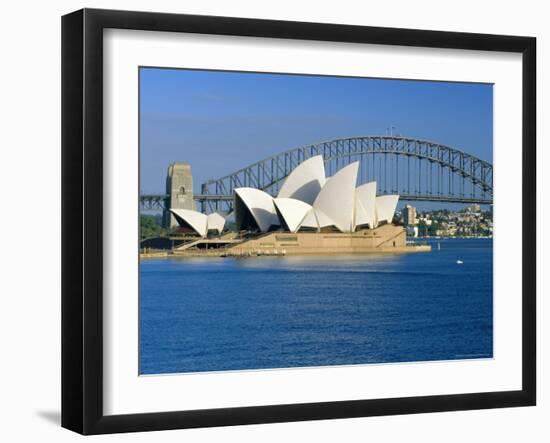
{"points": [[308, 201], [409, 215]]}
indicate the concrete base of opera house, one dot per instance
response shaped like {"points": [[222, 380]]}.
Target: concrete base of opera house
{"points": [[384, 239]]}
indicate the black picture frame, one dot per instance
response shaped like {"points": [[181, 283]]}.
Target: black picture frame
{"points": [[82, 218]]}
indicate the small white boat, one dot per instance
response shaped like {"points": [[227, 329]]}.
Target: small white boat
{"points": [[459, 262]]}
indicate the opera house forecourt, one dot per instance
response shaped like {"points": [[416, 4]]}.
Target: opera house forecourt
{"points": [[312, 214]]}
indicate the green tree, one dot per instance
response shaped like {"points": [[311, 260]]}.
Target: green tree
{"points": [[150, 226]]}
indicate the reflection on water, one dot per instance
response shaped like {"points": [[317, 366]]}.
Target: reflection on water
{"points": [[211, 314]]}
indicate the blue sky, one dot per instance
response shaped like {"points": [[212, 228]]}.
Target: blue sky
{"points": [[221, 121]]}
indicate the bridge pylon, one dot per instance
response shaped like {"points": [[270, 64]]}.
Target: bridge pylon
{"points": [[179, 190]]}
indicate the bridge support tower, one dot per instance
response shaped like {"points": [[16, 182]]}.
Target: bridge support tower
{"points": [[179, 188]]}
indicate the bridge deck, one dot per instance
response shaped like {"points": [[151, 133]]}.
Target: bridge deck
{"points": [[416, 169]]}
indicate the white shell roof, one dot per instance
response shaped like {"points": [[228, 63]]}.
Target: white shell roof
{"points": [[196, 220], [365, 205], [215, 222], [292, 212], [310, 220], [259, 204], [323, 220], [385, 207], [305, 181], [336, 201]]}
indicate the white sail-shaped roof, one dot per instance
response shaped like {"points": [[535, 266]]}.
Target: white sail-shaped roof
{"points": [[361, 215], [257, 204], [385, 207], [336, 201], [310, 220], [365, 205], [215, 222], [305, 181], [323, 220], [291, 212], [193, 219]]}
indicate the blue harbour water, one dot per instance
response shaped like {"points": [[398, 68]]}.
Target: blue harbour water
{"points": [[216, 314]]}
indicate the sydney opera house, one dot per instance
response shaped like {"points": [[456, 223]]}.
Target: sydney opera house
{"points": [[312, 213]]}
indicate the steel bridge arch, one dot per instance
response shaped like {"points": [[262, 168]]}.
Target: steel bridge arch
{"points": [[268, 174]]}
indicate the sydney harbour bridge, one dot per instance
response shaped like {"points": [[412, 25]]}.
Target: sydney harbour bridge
{"points": [[417, 170]]}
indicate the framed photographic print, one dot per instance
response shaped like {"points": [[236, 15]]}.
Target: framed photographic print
{"points": [[269, 221]]}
